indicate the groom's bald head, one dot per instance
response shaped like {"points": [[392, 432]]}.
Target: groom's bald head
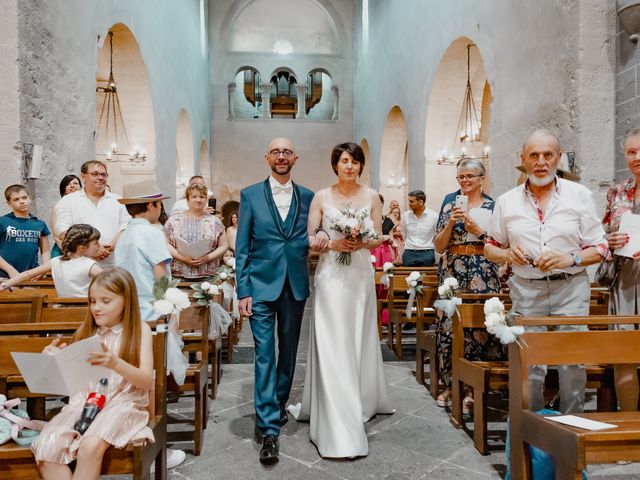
{"points": [[281, 157]]}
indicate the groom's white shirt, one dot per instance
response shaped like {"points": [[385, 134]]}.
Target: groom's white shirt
{"points": [[281, 196]]}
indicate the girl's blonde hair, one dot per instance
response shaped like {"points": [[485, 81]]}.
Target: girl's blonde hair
{"points": [[117, 280]]}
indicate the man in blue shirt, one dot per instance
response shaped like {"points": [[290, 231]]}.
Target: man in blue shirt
{"points": [[22, 235]]}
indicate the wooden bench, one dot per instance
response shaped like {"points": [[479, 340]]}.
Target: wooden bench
{"points": [[396, 304], [136, 458], [195, 319], [572, 448], [485, 376], [20, 308]]}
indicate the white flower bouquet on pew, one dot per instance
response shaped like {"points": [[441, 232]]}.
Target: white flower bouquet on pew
{"points": [[414, 282], [448, 302], [498, 323], [387, 268]]}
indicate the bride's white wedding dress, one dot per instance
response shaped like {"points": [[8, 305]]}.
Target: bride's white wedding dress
{"points": [[344, 381]]}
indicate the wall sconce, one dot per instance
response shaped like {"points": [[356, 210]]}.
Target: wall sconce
{"points": [[31, 160], [629, 15]]}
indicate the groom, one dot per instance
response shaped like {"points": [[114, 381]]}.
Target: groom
{"points": [[272, 280]]}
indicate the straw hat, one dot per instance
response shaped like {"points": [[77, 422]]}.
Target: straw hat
{"points": [[563, 169], [141, 192]]}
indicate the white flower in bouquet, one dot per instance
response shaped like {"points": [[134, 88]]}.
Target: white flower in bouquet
{"points": [[351, 222], [451, 283], [414, 275], [213, 290], [205, 286], [179, 298], [351, 211], [231, 262], [387, 266], [413, 283], [442, 290], [492, 321], [163, 307], [373, 259], [493, 305], [223, 276]]}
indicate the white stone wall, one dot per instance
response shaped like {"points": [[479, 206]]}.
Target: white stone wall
{"points": [[549, 63], [58, 44], [239, 145], [10, 153]]}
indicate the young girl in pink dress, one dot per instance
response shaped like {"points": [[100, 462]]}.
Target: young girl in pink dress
{"points": [[127, 351]]}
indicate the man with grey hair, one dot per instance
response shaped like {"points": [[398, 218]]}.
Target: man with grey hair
{"points": [[548, 230]]}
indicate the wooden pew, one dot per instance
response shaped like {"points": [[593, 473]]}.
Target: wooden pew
{"points": [[20, 308], [18, 462], [396, 305], [572, 448], [195, 319], [484, 376]]}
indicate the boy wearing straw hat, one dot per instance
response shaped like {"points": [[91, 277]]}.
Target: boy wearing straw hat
{"points": [[142, 248]]}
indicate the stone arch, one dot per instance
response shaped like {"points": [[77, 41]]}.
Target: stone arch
{"points": [[185, 158], [394, 157], [319, 94], [246, 94], [250, 12], [365, 178], [205, 163], [443, 114], [134, 94]]}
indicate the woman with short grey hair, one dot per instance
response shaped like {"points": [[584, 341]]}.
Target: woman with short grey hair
{"points": [[623, 198], [460, 240]]}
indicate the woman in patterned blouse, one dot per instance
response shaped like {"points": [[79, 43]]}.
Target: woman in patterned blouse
{"points": [[624, 198], [459, 239], [191, 226]]}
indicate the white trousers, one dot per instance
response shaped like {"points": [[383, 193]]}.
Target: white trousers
{"points": [[542, 298]]}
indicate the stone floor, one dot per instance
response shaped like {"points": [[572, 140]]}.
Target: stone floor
{"points": [[417, 442]]}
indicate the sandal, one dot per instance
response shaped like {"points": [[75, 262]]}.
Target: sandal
{"points": [[467, 406], [444, 399]]}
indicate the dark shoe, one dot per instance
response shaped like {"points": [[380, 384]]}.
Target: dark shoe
{"points": [[284, 416], [269, 451], [257, 434]]}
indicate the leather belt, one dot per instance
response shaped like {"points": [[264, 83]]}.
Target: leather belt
{"points": [[467, 249], [551, 278]]}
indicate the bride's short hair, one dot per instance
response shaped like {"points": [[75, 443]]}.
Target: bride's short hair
{"points": [[352, 149]]}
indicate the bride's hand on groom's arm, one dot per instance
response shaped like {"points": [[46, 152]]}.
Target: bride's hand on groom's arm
{"points": [[319, 242]]}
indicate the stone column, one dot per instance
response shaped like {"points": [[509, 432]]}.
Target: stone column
{"points": [[265, 90], [301, 90], [334, 90], [232, 90]]}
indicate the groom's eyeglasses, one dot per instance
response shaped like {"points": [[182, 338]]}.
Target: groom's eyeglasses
{"points": [[288, 154]]}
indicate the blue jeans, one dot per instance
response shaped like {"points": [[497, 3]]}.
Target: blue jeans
{"points": [[419, 258]]}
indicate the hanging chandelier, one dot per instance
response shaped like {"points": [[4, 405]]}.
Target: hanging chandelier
{"points": [[111, 121], [467, 140]]}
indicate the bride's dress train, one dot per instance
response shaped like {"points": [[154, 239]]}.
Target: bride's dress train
{"points": [[344, 384]]}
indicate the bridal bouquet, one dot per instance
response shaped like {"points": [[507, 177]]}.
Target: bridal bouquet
{"points": [[354, 224], [497, 321], [448, 301]]}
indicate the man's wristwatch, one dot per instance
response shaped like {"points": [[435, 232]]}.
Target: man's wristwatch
{"points": [[577, 259]]}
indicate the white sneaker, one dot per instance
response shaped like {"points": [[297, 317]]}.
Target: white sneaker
{"points": [[174, 458]]}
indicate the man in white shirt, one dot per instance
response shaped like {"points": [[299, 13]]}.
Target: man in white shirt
{"points": [[418, 226], [95, 206], [548, 230]]}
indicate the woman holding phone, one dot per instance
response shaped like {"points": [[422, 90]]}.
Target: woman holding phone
{"points": [[460, 240]]}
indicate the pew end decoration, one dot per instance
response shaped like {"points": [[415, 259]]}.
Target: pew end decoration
{"points": [[205, 292], [448, 302], [387, 269], [499, 323], [414, 282]]}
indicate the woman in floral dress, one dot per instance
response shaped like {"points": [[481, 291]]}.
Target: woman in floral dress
{"points": [[459, 239]]}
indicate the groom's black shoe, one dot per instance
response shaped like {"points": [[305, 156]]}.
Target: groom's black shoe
{"points": [[284, 416], [269, 451]]}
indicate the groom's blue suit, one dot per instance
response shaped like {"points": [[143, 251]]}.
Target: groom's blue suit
{"points": [[271, 268]]}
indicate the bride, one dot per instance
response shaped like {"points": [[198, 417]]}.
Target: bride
{"points": [[344, 382]]}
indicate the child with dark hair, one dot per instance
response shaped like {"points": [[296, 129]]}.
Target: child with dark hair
{"points": [[71, 272], [22, 235]]}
